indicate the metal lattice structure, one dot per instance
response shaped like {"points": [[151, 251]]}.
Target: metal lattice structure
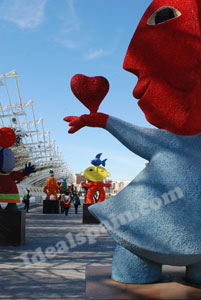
{"points": [[33, 143]]}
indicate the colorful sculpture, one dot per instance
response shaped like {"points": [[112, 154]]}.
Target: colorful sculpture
{"points": [[95, 174], [8, 188], [51, 187], [156, 219], [64, 187], [64, 184]]}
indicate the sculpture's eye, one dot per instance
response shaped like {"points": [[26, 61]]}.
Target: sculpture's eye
{"points": [[163, 14], [91, 170]]}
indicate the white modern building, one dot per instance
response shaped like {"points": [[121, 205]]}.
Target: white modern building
{"points": [[33, 143]]}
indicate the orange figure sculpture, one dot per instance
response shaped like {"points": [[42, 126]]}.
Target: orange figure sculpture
{"points": [[51, 187], [96, 174]]}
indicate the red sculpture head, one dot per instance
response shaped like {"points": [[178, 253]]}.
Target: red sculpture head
{"points": [[7, 137], [165, 54]]}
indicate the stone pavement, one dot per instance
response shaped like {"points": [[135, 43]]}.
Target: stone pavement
{"points": [[57, 272]]}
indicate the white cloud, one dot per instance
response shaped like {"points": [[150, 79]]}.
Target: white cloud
{"points": [[74, 20], [72, 34], [70, 25], [95, 54], [24, 13], [67, 43]]}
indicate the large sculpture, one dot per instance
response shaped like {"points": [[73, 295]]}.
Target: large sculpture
{"points": [[51, 187], [64, 187], [95, 174], [8, 188], [156, 219]]}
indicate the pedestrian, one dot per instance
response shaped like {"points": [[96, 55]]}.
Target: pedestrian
{"points": [[66, 205], [72, 192], [26, 200], [62, 203], [76, 202]]}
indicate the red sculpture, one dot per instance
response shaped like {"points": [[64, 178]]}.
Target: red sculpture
{"points": [[96, 174], [92, 188]]}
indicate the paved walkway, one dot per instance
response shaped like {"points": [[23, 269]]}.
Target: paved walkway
{"points": [[53, 264]]}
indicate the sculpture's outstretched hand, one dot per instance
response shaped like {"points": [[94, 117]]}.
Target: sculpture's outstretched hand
{"points": [[29, 168], [91, 120]]}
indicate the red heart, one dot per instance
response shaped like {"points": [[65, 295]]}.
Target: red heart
{"points": [[90, 90]]}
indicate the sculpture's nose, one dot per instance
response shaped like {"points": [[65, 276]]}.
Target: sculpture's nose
{"points": [[130, 64]]}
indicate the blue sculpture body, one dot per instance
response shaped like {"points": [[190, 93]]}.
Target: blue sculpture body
{"points": [[156, 219]]}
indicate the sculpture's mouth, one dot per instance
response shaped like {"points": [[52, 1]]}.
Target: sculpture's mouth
{"points": [[141, 88]]}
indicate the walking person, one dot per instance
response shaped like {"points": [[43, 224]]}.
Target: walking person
{"points": [[72, 192], [76, 202], [26, 200], [66, 205], [62, 203]]}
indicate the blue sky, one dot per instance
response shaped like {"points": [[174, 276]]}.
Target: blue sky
{"points": [[49, 41]]}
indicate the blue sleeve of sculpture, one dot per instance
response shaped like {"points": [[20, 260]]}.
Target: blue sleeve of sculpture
{"points": [[142, 141]]}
